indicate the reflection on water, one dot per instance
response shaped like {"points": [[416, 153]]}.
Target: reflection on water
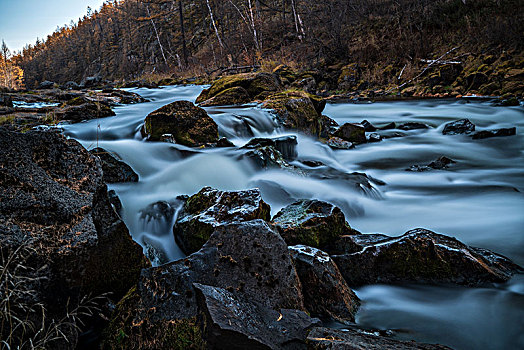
{"points": [[479, 199]]}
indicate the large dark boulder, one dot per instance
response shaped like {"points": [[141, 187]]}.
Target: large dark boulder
{"points": [[320, 338], [419, 256], [325, 291], [54, 203], [114, 169], [190, 125], [350, 132], [209, 208], [83, 108], [232, 322], [233, 96], [311, 222], [484, 134], [462, 126], [245, 258]]}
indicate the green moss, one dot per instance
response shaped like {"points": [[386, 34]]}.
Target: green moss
{"points": [[224, 83]]}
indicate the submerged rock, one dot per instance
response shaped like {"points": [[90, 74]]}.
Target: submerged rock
{"points": [[462, 126], [325, 291], [209, 208], [114, 169], [419, 256], [484, 134], [286, 145], [439, 164], [353, 339], [354, 133], [413, 126], [189, 125], [236, 323], [268, 157], [311, 222]]}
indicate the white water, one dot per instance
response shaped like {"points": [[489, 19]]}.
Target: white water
{"points": [[479, 200]]}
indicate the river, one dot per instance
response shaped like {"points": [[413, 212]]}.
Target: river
{"points": [[478, 200]]}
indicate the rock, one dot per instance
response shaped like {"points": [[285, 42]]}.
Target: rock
{"points": [[114, 169], [368, 127], [209, 208], [71, 85], [263, 82], [233, 96], [189, 125], [82, 108], [374, 137], [438, 164], [53, 201], [312, 163], [245, 258], [267, 157], [354, 339], [508, 102], [419, 256], [325, 291], [354, 133], [5, 100], [285, 74], [46, 85], [311, 222], [126, 97], [484, 134], [412, 126], [90, 82], [462, 126], [224, 142], [389, 126], [235, 323], [286, 145], [338, 143]]}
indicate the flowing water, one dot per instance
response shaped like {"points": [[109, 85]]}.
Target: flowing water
{"points": [[478, 200]]}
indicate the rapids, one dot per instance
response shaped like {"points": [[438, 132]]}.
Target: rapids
{"points": [[478, 200]]}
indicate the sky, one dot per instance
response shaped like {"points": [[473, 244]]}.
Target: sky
{"points": [[22, 21]]}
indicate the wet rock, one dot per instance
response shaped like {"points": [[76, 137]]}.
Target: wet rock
{"points": [[350, 339], [508, 102], [325, 291], [114, 169], [484, 134], [224, 142], [245, 258], [389, 126], [419, 256], [311, 222], [338, 143], [189, 125], [82, 108], [45, 85], [126, 97], [233, 96], [5, 100], [368, 127], [209, 208], [286, 145], [413, 126], [235, 323], [374, 137], [462, 126], [53, 200], [354, 133], [312, 163], [439, 164], [267, 157]]}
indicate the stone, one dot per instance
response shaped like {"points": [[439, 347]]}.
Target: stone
{"points": [[320, 338], [46, 85], [189, 125], [350, 132], [374, 137], [209, 208], [368, 127], [286, 145], [267, 157], [325, 291], [439, 164], [82, 108], [484, 134], [413, 126], [224, 142], [6, 100], [71, 85], [338, 143], [113, 168], [236, 95], [418, 256], [311, 222], [235, 323], [462, 126]]}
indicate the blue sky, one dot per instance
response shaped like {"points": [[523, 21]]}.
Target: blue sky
{"points": [[22, 21]]}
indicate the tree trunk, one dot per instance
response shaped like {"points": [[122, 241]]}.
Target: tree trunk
{"points": [[182, 29]]}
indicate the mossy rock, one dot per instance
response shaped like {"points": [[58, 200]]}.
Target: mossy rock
{"points": [[224, 83], [352, 132], [349, 77], [263, 82], [233, 96], [311, 222], [286, 75], [189, 125]]}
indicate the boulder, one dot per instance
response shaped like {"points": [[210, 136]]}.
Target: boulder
{"points": [[189, 125], [232, 322], [286, 145], [368, 127], [325, 291], [46, 85], [54, 203], [439, 164], [114, 169], [311, 222], [71, 85], [350, 132], [245, 258], [338, 143], [462, 126], [125, 97], [266, 157], [233, 96], [82, 108], [484, 134], [413, 126], [209, 208], [5, 100], [419, 256], [320, 338]]}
